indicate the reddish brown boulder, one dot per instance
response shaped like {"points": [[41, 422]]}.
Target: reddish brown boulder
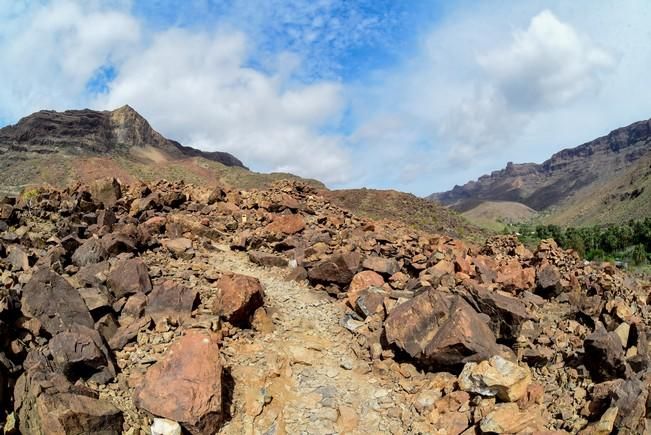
{"points": [[129, 277], [185, 385], [116, 243], [604, 355], [440, 330], [486, 268], [238, 298], [172, 301], [124, 334], [338, 269], [52, 300], [362, 281], [513, 277], [386, 266], [267, 259], [286, 224]]}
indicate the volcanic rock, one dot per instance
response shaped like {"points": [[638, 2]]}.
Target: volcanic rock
{"points": [[185, 385], [238, 298], [171, 300], [386, 266], [286, 224], [440, 330], [496, 377], [90, 252], [338, 269], [52, 300], [129, 277]]}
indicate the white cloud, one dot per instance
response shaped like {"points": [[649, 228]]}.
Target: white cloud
{"points": [[196, 87], [50, 51], [547, 65]]}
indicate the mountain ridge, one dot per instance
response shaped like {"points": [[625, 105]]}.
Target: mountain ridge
{"points": [[89, 131], [613, 164]]}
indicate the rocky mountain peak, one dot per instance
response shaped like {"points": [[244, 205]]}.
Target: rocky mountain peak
{"points": [[91, 132]]}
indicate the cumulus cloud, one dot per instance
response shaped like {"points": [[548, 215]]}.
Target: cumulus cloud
{"points": [[51, 50], [548, 64], [197, 88]]}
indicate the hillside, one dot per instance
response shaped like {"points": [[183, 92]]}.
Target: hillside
{"points": [[494, 214], [605, 180], [403, 207]]}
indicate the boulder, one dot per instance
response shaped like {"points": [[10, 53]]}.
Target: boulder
{"points": [[338, 269], [90, 252], [604, 355], [506, 313], [267, 259], [17, 257], [117, 243], [507, 418], [179, 247], [93, 275], [362, 281], [548, 279], [238, 298], [47, 404], [385, 266], [441, 330], [185, 385], [128, 277], [125, 333], [486, 268], [286, 224], [134, 308], [52, 300], [96, 298], [106, 192], [513, 277], [171, 300], [496, 377], [80, 353]]}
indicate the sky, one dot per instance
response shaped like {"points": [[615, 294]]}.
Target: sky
{"points": [[415, 95]]}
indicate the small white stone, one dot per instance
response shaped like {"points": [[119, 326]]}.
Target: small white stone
{"points": [[163, 426]]}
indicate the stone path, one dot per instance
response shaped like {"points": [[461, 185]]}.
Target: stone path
{"points": [[301, 375], [296, 371]]}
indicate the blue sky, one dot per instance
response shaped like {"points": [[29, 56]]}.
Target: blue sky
{"points": [[416, 96]]}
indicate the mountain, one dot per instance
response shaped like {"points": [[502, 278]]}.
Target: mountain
{"points": [[83, 145], [93, 132], [602, 181]]}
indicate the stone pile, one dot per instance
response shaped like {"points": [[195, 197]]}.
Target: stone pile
{"points": [[101, 335]]}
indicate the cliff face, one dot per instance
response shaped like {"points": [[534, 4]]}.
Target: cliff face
{"points": [[93, 132], [569, 176]]}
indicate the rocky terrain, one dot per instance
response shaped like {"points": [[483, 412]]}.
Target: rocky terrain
{"points": [[170, 308], [607, 180]]}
